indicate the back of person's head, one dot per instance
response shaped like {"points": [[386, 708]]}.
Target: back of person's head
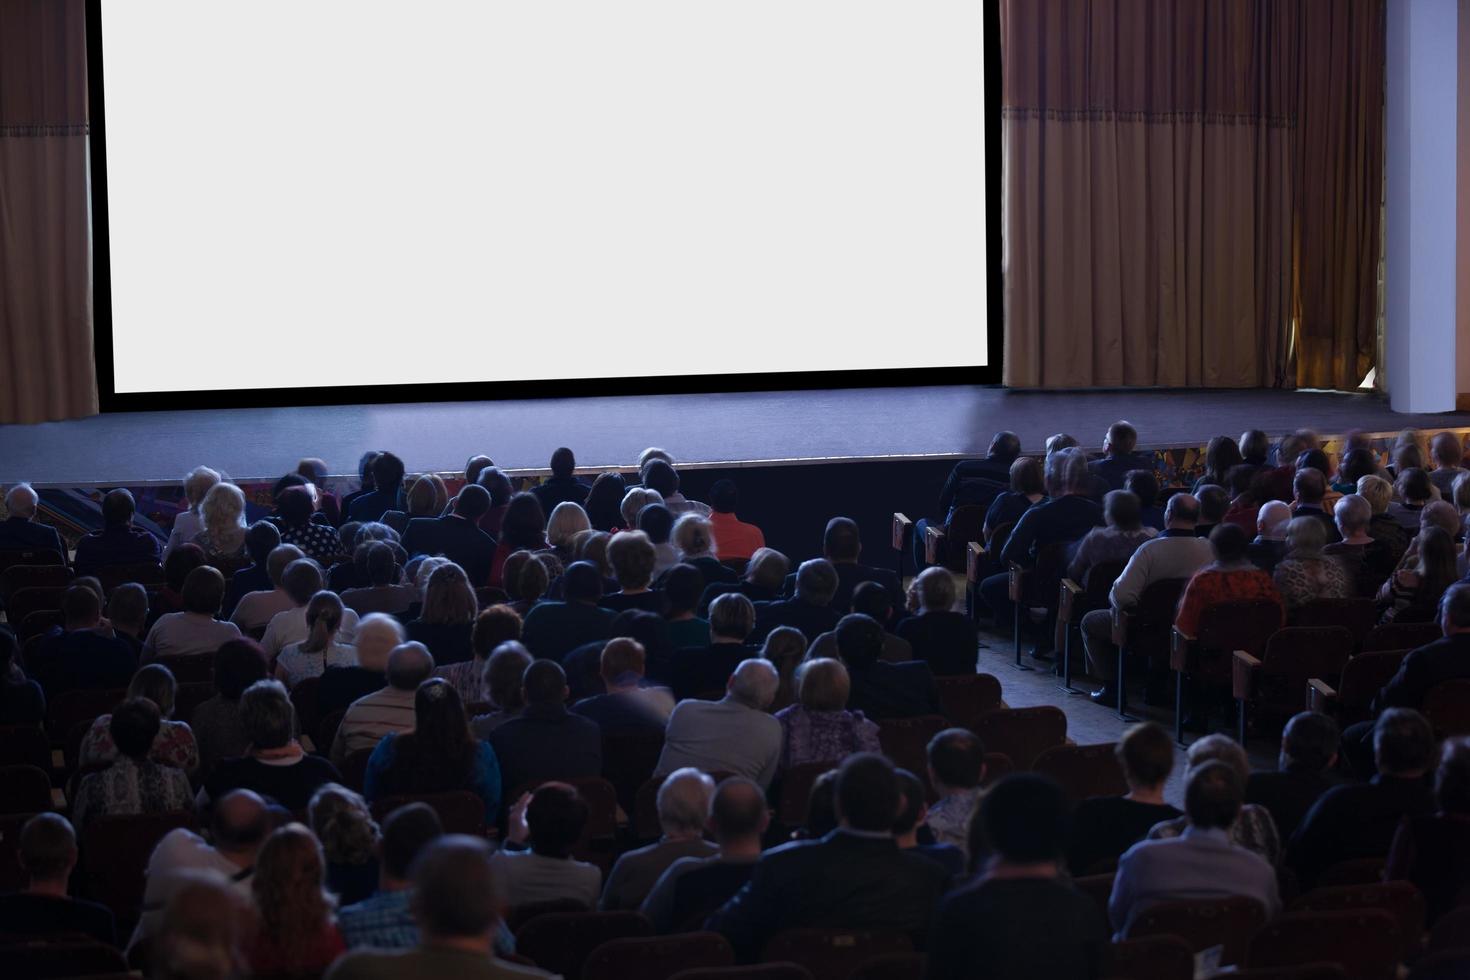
{"points": [[731, 617], [1213, 794], [407, 831], [591, 546], [1005, 446], [201, 930], [724, 497], [816, 581], [343, 823], [493, 479], [156, 683], [1414, 485], [754, 684], [649, 629], [1214, 501], [868, 796], [1255, 446], [634, 500], [956, 758], [240, 821], [658, 475], [449, 597], [266, 715], [1122, 510], [1306, 537], [693, 536], [454, 889], [622, 661], [911, 788], [1025, 476], [859, 641], [313, 468], [135, 724], [1309, 742], [127, 607], [567, 520], [1230, 542], [377, 635], [823, 685], [1356, 464], [238, 664], [281, 557], [81, 608], [1437, 558], [524, 523], [652, 453], [197, 483], [633, 558], [1315, 459], [409, 665], [1246, 481], [301, 580], [936, 589], [1454, 607], [1182, 509], [1066, 471], [821, 807], [294, 908], [582, 582], [738, 811], [324, 613], [48, 848], [563, 463], [204, 591], [1122, 437], [1220, 748], [380, 563], [494, 626], [21, 501], [1025, 818], [784, 647], [1143, 484], [556, 816], [365, 468], [388, 471], [871, 599], [842, 542], [295, 506], [1452, 778], [767, 568], [261, 538], [1446, 449], [1146, 753], [683, 801], [1441, 514], [656, 521], [682, 586], [1059, 441], [1403, 743], [118, 508], [1352, 513], [472, 502], [1272, 519], [544, 683], [504, 675], [286, 481]]}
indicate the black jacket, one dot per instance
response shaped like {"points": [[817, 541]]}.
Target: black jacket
{"points": [[1423, 669], [554, 629], [545, 742], [457, 539], [18, 534], [811, 619], [975, 481], [558, 489], [1357, 821], [850, 575], [944, 640], [887, 690]]}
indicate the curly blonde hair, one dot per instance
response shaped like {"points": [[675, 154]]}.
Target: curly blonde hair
{"points": [[293, 907], [343, 823], [223, 514]]}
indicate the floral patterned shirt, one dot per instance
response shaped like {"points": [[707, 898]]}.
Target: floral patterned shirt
{"points": [[823, 736], [1300, 580], [173, 746]]}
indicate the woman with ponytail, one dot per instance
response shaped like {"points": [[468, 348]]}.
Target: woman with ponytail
{"points": [[320, 650]]}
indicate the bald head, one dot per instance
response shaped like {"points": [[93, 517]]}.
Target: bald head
{"points": [[241, 822], [409, 665], [21, 501], [754, 684], [1182, 511], [738, 812], [1271, 520]]}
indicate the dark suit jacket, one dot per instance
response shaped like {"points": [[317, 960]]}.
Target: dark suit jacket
{"points": [[121, 545], [842, 881], [849, 576], [812, 620], [944, 640], [1266, 555], [1357, 821], [545, 742], [696, 671], [1445, 659], [457, 539], [714, 590], [21, 535], [556, 490], [1065, 518], [251, 578], [1287, 794], [975, 481], [1017, 929], [1112, 469], [82, 659], [554, 629], [887, 690], [373, 505]]}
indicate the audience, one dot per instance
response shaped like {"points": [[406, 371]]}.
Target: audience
{"points": [[1114, 543], [389, 709], [683, 804], [1383, 526], [1203, 862], [913, 815], [216, 723], [133, 784], [1269, 545], [254, 610], [85, 654], [380, 495], [763, 581], [20, 530], [536, 863], [377, 636], [222, 525], [320, 650], [384, 919], [811, 608], [189, 523], [119, 542], [553, 629], [21, 699], [1021, 918], [47, 854], [382, 592], [296, 930], [562, 486], [738, 540], [1432, 850], [501, 681], [938, 635], [1214, 502], [871, 599], [439, 755], [1447, 452], [733, 735], [457, 535], [975, 483], [174, 745], [341, 820], [1306, 574], [127, 614], [1229, 577], [1367, 561], [522, 528], [545, 740], [784, 650], [956, 759], [882, 690], [660, 476], [446, 623], [628, 707], [633, 558], [1413, 592], [819, 728], [1118, 458], [1252, 827], [1304, 772], [295, 509], [698, 669], [1106, 826], [301, 580], [494, 626], [275, 765]]}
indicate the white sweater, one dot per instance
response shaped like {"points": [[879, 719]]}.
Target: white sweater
{"points": [[1164, 557]]}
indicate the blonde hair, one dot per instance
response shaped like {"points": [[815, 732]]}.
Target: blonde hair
{"points": [[823, 685], [635, 500], [449, 598], [567, 520], [323, 619], [694, 536], [427, 497], [426, 568], [223, 514], [1377, 491], [197, 483]]}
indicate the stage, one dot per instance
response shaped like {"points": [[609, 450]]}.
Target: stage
{"points": [[750, 429]]}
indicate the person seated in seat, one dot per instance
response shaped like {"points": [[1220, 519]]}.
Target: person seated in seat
{"points": [[216, 722], [173, 746], [546, 741], [912, 817], [565, 522], [349, 836], [302, 579], [660, 476], [738, 540], [222, 516], [446, 623], [683, 808], [810, 609], [261, 538], [457, 535], [1383, 526], [956, 759], [1027, 489], [1414, 490], [692, 887], [1214, 503], [1268, 547], [733, 734], [562, 486], [882, 690], [1201, 863], [554, 629], [1252, 828], [494, 626], [320, 650], [1022, 918], [938, 635], [295, 930], [1367, 561], [682, 586], [657, 521], [1222, 454], [22, 701], [1249, 489], [1106, 826], [536, 864], [1306, 574], [1144, 485], [522, 528], [1447, 452], [255, 610], [853, 878], [133, 784], [1314, 498], [842, 545], [20, 531], [440, 755], [694, 539], [384, 920], [275, 766], [1359, 820], [47, 854], [127, 614], [629, 707], [1118, 458], [377, 635], [763, 581], [385, 492], [84, 654], [1309, 746], [633, 558], [871, 599], [604, 501], [383, 593], [1433, 851], [696, 670], [819, 727], [119, 542], [583, 666], [501, 682], [974, 483], [388, 709], [318, 541], [1412, 593], [784, 650], [188, 523], [1228, 578], [1114, 543]]}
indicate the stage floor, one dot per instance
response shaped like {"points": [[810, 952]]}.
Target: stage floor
{"points": [[753, 428]]}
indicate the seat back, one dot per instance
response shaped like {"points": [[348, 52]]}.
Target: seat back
{"points": [[657, 957], [1151, 621], [38, 622], [1098, 582], [906, 741], [43, 959], [1295, 655], [190, 695], [1447, 706], [33, 598], [145, 573], [12, 875], [1401, 636], [1022, 734], [74, 706], [1099, 888], [760, 971], [1452, 931], [1355, 871], [560, 942], [326, 730], [892, 966], [18, 577], [833, 954], [25, 745], [1084, 770], [189, 667], [963, 699], [796, 791], [24, 789], [115, 853], [1364, 942], [1226, 922], [303, 699], [1239, 624], [1044, 578], [1154, 957], [354, 768], [628, 761], [1398, 898], [966, 524], [1363, 677], [10, 557], [1357, 616], [521, 914], [460, 811]]}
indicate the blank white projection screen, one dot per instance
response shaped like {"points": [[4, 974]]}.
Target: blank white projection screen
{"points": [[312, 193]]}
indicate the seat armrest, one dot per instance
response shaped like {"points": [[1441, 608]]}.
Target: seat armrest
{"points": [[1017, 586], [1181, 645], [934, 539], [902, 528], [975, 555], [1122, 620], [1067, 601], [1321, 696], [1243, 668]]}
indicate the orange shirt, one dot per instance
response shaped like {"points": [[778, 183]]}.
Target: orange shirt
{"points": [[733, 537], [1211, 585]]}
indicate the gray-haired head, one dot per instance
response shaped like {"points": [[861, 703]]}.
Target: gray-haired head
{"points": [[21, 501], [409, 665], [1066, 471], [754, 684], [683, 802]]}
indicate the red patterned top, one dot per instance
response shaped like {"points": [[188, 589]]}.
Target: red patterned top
{"points": [[1214, 583]]}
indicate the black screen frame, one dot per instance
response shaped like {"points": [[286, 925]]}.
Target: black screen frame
{"points": [[111, 400]]}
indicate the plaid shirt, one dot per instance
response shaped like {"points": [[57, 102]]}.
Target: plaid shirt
{"points": [[383, 920]]}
